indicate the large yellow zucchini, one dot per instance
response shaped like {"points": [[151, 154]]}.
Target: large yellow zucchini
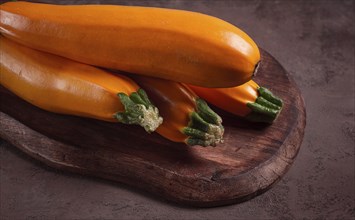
{"points": [[171, 44], [63, 86]]}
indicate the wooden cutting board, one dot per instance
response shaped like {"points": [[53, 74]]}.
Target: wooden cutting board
{"points": [[252, 158]]}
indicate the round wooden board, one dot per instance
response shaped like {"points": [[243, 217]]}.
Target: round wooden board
{"points": [[252, 158]]}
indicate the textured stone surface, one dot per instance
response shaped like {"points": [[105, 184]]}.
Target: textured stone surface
{"points": [[314, 41]]}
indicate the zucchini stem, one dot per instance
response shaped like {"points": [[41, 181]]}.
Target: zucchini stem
{"points": [[267, 94], [205, 126], [266, 107], [139, 110]]}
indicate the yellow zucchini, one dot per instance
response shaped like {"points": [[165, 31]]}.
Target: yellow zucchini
{"points": [[171, 44], [64, 86]]}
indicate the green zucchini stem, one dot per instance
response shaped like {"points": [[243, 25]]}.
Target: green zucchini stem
{"points": [[139, 110], [267, 94], [205, 126], [266, 107]]}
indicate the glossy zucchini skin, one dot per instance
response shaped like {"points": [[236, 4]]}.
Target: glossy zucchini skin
{"points": [[176, 45], [60, 85]]}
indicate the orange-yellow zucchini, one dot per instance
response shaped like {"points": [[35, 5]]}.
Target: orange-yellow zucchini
{"points": [[249, 100], [171, 44], [63, 86], [187, 118]]}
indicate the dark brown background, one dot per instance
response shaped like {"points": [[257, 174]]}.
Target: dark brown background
{"points": [[314, 40]]}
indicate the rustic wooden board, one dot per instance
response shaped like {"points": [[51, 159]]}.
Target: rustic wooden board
{"points": [[251, 160]]}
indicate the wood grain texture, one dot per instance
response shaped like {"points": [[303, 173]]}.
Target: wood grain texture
{"points": [[252, 158]]}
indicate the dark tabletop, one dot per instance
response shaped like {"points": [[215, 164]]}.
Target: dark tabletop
{"points": [[314, 41]]}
